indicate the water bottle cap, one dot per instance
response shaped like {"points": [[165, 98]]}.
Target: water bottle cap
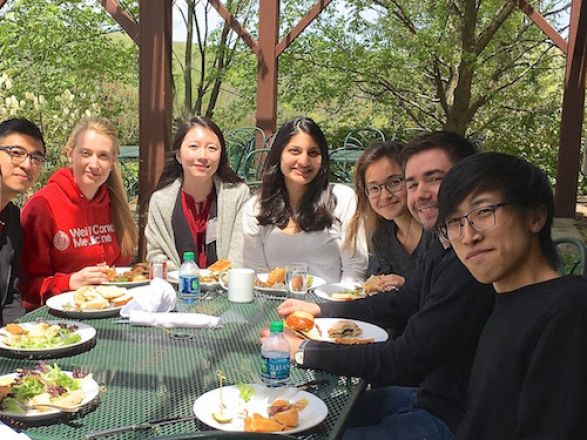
{"points": [[276, 326], [188, 256]]}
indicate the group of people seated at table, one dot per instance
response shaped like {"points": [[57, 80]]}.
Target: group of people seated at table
{"points": [[487, 334]]}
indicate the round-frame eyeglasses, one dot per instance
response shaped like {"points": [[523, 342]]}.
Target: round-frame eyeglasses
{"points": [[393, 184], [480, 219]]}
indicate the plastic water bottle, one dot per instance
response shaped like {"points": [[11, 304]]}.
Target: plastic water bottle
{"points": [[188, 290], [275, 356]]}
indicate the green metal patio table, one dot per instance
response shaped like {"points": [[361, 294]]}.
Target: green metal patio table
{"points": [[146, 374]]}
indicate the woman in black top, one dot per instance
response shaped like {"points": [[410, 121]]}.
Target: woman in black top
{"points": [[394, 238]]}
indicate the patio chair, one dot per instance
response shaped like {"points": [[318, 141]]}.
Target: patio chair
{"points": [[362, 137], [342, 164], [239, 142], [253, 167], [573, 256]]}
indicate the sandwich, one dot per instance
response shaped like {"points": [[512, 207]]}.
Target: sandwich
{"points": [[110, 292], [87, 298], [276, 276], [349, 295], [121, 300], [344, 329], [300, 321], [100, 297], [372, 285], [220, 266]]}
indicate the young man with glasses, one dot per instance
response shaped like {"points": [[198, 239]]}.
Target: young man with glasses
{"points": [[438, 313], [22, 152], [529, 377]]}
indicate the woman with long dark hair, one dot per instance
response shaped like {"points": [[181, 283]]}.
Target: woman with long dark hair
{"points": [[297, 215], [395, 239], [196, 204]]}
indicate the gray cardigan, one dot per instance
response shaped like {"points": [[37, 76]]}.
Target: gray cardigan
{"points": [[161, 237]]}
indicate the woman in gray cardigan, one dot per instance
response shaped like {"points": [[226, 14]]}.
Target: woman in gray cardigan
{"points": [[196, 204]]}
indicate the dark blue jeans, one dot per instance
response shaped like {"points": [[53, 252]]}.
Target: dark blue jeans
{"points": [[393, 413]]}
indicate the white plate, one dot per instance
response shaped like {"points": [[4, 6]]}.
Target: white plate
{"points": [[280, 288], [60, 304], [90, 389], [120, 271], [209, 402], [326, 290], [173, 277], [86, 332], [369, 330]]}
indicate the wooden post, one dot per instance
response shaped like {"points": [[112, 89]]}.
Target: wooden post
{"points": [[155, 100], [572, 114], [267, 66]]}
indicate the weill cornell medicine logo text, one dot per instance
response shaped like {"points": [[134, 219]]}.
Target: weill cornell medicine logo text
{"points": [[84, 236]]}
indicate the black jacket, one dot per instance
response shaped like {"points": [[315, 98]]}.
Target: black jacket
{"points": [[10, 247], [439, 314]]}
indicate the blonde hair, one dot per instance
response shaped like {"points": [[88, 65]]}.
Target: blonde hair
{"points": [[122, 219]]}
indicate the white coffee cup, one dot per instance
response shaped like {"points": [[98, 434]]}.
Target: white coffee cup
{"points": [[239, 283]]}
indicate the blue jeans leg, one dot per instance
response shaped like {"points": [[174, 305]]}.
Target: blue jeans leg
{"points": [[391, 413]]}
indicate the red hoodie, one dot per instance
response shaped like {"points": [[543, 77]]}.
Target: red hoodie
{"points": [[64, 232]]}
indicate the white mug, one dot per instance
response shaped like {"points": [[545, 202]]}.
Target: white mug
{"points": [[239, 283]]}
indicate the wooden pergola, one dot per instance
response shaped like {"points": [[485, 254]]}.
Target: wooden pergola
{"points": [[152, 34]]}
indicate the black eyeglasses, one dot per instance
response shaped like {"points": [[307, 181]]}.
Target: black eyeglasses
{"points": [[19, 155], [392, 184], [480, 219]]}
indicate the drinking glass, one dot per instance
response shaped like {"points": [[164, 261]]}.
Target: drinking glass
{"points": [[296, 278]]}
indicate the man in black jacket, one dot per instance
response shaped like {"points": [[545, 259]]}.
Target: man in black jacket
{"points": [[529, 376], [22, 155], [438, 314]]}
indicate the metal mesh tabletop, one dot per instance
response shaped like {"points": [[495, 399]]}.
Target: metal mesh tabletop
{"points": [[147, 374]]}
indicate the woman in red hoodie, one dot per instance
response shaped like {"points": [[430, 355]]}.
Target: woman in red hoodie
{"points": [[79, 220]]}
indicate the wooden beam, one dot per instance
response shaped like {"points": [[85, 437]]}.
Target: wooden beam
{"points": [[123, 18], [155, 100], [542, 24], [572, 114], [303, 24], [267, 66], [235, 25]]}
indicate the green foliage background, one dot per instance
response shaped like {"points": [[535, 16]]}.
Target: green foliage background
{"points": [[362, 63]]}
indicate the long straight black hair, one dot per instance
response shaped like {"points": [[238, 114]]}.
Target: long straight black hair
{"points": [[317, 204], [173, 168]]}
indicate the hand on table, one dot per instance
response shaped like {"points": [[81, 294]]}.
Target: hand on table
{"points": [[289, 306], [88, 275], [390, 282], [293, 340]]}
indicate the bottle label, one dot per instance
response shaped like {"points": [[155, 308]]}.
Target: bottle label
{"points": [[275, 368], [189, 285]]}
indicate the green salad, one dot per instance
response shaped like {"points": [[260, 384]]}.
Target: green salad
{"points": [[40, 335], [42, 385]]}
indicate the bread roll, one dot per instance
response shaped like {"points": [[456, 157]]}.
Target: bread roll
{"points": [[300, 321]]}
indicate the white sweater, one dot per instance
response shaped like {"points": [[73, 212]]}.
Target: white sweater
{"points": [[267, 247]]}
